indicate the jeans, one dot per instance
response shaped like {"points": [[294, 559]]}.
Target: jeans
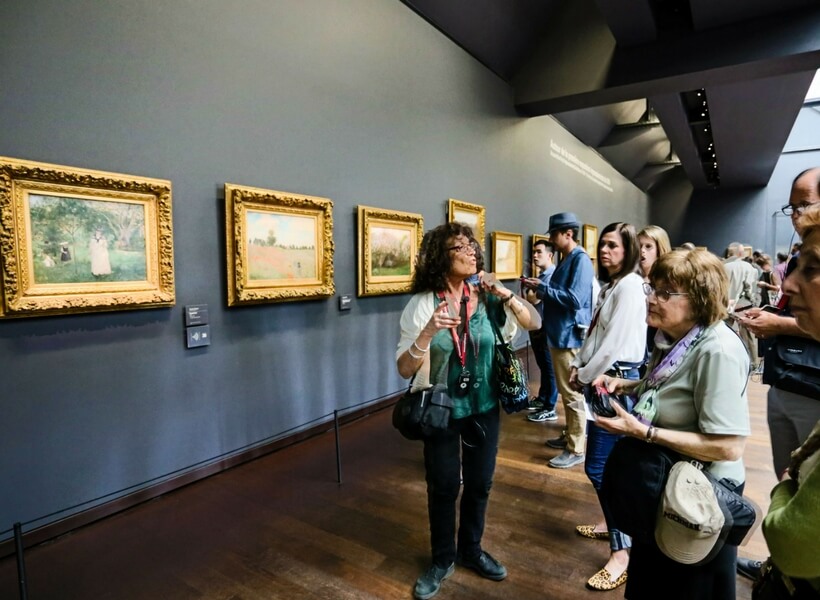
{"points": [[467, 450], [548, 392], [599, 444]]}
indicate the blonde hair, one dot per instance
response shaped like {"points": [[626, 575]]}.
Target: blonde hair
{"points": [[701, 275], [810, 218], [659, 236]]}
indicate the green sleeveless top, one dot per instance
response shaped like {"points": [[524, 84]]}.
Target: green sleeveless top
{"points": [[481, 396]]}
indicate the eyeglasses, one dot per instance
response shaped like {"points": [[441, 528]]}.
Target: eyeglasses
{"points": [[472, 247], [790, 209], [663, 296]]}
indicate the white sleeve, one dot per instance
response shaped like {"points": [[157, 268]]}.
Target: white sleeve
{"points": [[413, 319], [621, 330]]}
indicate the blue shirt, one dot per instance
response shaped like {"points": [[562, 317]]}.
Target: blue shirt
{"points": [[567, 300]]}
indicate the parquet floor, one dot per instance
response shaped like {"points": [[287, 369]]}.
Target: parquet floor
{"points": [[281, 527]]}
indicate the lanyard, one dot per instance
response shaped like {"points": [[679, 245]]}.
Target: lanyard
{"points": [[461, 345]]}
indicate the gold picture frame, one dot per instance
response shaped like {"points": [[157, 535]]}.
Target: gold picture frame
{"points": [[507, 250], [279, 246], [76, 240], [473, 215], [388, 243], [590, 237]]}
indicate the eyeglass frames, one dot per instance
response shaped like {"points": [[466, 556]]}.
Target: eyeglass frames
{"points": [[790, 209], [663, 296], [465, 248]]}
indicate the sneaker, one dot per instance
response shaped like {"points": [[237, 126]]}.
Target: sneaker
{"points": [[558, 443], [429, 583], [749, 568], [566, 459], [535, 404], [542, 415], [485, 565]]}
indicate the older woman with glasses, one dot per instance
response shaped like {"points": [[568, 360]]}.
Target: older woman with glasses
{"points": [[447, 336], [693, 400]]}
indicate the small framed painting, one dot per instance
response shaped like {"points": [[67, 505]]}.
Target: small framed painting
{"points": [[279, 246], [389, 241], [507, 254], [75, 240], [590, 239], [469, 214]]}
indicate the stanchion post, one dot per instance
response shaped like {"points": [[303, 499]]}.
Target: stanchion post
{"points": [[21, 563], [338, 447]]}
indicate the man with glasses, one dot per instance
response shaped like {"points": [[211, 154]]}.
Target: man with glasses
{"points": [[791, 415], [567, 300]]}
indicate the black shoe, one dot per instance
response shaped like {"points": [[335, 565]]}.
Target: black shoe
{"points": [[429, 583], [485, 565], [749, 568], [559, 443]]}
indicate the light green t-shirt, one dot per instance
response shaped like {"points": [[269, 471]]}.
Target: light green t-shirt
{"points": [[707, 394]]}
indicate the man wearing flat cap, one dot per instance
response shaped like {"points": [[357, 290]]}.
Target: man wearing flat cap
{"points": [[567, 299]]}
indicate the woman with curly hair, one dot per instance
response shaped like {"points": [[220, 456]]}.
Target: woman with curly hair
{"points": [[447, 336]]}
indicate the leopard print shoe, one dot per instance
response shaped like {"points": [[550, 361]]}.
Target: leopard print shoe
{"points": [[602, 581], [588, 531]]}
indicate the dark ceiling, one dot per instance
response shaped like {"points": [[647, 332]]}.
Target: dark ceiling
{"points": [[624, 76]]}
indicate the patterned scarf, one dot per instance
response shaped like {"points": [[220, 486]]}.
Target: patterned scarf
{"points": [[646, 409]]}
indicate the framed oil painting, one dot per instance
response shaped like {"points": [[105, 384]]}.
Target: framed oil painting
{"points": [[469, 214], [389, 241], [75, 240], [279, 246], [590, 233], [507, 254]]}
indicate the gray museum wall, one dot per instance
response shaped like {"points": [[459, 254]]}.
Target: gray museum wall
{"points": [[361, 102], [716, 218]]}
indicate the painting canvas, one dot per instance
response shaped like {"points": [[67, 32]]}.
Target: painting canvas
{"points": [[469, 214], [388, 244], [76, 240], [590, 233], [507, 254], [279, 246]]}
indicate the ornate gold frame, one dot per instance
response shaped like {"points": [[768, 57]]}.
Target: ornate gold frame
{"points": [[518, 240], [241, 289], [412, 224], [475, 214], [590, 237], [22, 296]]}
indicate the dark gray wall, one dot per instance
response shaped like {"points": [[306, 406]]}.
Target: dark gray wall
{"points": [[715, 218], [359, 101]]}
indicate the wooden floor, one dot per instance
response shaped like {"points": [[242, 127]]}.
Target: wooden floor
{"points": [[281, 527]]}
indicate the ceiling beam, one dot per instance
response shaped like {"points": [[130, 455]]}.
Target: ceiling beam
{"points": [[579, 65]]}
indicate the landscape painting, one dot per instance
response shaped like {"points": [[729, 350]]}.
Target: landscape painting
{"points": [[279, 246], [388, 243]]}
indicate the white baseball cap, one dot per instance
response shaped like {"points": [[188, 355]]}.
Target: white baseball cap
{"points": [[690, 519]]}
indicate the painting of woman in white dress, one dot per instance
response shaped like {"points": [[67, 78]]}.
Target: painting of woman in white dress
{"points": [[98, 252]]}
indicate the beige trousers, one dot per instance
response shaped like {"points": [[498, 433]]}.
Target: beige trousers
{"points": [[573, 401]]}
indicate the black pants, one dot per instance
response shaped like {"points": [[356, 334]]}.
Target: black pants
{"points": [[467, 450], [653, 575]]}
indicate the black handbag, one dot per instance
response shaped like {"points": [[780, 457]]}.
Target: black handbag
{"points": [[633, 483], [774, 585], [423, 413], [509, 376], [792, 363]]}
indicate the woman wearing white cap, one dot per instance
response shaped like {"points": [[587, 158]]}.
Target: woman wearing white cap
{"points": [[693, 400]]}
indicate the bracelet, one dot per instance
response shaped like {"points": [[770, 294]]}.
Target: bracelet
{"points": [[420, 349], [650, 434], [508, 298], [416, 356]]}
